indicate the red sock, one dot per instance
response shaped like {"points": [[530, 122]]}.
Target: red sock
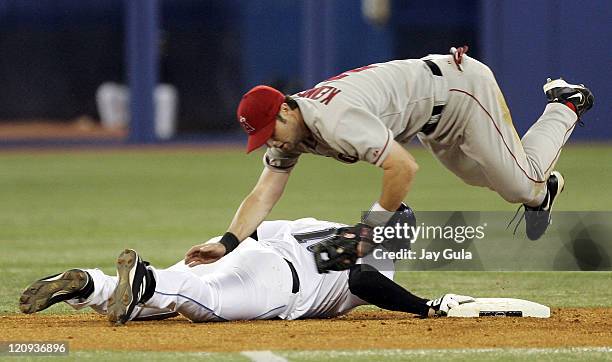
{"points": [[571, 106]]}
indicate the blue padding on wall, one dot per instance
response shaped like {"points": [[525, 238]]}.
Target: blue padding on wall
{"points": [[304, 42], [271, 41], [142, 43], [524, 42]]}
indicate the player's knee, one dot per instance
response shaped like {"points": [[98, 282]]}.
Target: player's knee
{"points": [[519, 193]]}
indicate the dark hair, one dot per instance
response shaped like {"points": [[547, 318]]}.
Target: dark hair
{"points": [[291, 102]]}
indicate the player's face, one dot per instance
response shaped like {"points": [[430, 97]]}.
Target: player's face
{"points": [[287, 133]]}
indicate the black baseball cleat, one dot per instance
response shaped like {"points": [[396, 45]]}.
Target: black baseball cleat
{"points": [[577, 97], [538, 218], [43, 293], [135, 285]]}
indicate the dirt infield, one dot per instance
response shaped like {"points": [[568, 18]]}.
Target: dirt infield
{"points": [[568, 327]]}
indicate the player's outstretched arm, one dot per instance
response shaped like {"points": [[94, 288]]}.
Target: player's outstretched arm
{"points": [[258, 204], [253, 210], [399, 171]]}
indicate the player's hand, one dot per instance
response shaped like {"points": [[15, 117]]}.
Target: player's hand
{"points": [[442, 305], [204, 254]]}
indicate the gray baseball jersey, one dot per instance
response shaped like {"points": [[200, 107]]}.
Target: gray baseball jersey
{"points": [[355, 115]]}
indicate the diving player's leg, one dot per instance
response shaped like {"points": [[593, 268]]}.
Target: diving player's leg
{"points": [[147, 314], [103, 287], [81, 288], [252, 282]]}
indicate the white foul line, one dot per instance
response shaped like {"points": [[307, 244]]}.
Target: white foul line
{"points": [[263, 356]]}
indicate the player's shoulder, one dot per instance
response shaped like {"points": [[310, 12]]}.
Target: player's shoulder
{"points": [[314, 221], [305, 223], [279, 229], [310, 224]]}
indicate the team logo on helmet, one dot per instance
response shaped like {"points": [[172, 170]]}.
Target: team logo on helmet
{"points": [[247, 127]]}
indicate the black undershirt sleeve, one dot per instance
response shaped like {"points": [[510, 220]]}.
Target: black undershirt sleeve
{"points": [[370, 285]]}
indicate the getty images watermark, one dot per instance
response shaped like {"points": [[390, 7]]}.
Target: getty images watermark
{"points": [[491, 241], [397, 240]]}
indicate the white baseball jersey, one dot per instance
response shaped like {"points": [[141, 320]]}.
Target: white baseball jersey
{"points": [[252, 282], [321, 295]]}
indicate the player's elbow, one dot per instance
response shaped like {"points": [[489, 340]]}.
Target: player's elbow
{"points": [[400, 162], [412, 166], [407, 168]]}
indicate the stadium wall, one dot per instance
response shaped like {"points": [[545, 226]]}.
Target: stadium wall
{"points": [[56, 53]]}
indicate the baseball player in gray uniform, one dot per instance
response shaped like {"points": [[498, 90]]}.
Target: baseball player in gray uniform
{"points": [[271, 275], [451, 103]]}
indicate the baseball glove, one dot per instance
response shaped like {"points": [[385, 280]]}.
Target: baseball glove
{"points": [[342, 250]]}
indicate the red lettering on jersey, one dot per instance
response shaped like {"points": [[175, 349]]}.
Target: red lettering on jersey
{"points": [[317, 93], [331, 95], [324, 90], [307, 93]]}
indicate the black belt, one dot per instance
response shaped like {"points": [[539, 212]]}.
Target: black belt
{"points": [[294, 276], [431, 125]]}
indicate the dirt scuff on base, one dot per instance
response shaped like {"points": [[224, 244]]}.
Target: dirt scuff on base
{"points": [[567, 327]]}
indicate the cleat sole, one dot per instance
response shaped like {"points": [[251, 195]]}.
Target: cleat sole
{"points": [[44, 293], [121, 299]]}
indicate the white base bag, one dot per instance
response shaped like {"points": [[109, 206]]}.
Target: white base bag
{"points": [[500, 307]]}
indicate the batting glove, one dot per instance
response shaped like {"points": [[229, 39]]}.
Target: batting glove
{"points": [[442, 305]]}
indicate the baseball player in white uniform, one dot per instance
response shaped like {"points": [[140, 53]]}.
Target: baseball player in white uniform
{"points": [[451, 103], [271, 277]]}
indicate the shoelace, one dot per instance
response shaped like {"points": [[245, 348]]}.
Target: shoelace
{"points": [[519, 220]]}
